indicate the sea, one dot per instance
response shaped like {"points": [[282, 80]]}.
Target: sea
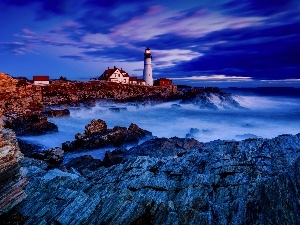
{"points": [[267, 113]]}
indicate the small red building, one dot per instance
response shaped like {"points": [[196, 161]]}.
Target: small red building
{"points": [[163, 82], [41, 80]]}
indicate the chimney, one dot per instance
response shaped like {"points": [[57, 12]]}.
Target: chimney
{"points": [[108, 68], [114, 67]]}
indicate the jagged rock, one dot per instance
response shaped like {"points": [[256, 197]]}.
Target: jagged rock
{"points": [[12, 181], [95, 127], [255, 181], [97, 136]]}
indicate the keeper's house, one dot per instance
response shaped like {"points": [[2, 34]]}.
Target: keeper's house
{"points": [[41, 80], [115, 75], [120, 76]]}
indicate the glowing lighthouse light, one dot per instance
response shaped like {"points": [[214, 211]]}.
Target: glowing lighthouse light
{"points": [[147, 74]]}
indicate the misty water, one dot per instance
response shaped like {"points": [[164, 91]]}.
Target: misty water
{"points": [[265, 116]]}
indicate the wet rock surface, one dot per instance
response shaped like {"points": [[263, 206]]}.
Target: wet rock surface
{"points": [[174, 181], [57, 112], [53, 156], [29, 124], [96, 135]]}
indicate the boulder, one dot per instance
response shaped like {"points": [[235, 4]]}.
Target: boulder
{"points": [[95, 127]]}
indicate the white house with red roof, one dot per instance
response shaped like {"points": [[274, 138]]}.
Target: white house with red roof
{"points": [[120, 76], [41, 80], [115, 75]]}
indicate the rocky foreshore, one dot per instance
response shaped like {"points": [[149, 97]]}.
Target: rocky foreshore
{"points": [[170, 181]]}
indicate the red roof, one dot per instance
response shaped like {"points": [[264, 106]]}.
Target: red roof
{"points": [[141, 80], [164, 79], [40, 78], [132, 78]]}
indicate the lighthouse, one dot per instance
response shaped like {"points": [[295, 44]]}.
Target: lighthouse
{"points": [[147, 74]]}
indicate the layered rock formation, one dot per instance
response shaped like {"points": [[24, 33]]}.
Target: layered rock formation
{"points": [[12, 178], [175, 181], [96, 135]]}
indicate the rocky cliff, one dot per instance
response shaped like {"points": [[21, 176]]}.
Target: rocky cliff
{"points": [[173, 181], [19, 95], [12, 178]]}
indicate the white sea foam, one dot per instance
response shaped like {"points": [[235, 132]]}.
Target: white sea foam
{"points": [[265, 117]]}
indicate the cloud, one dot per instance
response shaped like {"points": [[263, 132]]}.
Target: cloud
{"points": [[98, 40], [116, 53], [169, 58], [199, 22], [215, 78], [17, 48]]}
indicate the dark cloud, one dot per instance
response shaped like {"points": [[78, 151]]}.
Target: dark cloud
{"points": [[263, 52], [256, 7], [113, 3], [48, 8], [169, 41], [102, 19]]}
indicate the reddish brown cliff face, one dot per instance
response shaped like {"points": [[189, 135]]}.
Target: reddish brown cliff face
{"points": [[12, 178], [16, 96]]}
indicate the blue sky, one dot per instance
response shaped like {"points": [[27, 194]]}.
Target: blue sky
{"points": [[221, 43]]}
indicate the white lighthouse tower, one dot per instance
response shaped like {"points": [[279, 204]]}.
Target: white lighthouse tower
{"points": [[147, 74]]}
